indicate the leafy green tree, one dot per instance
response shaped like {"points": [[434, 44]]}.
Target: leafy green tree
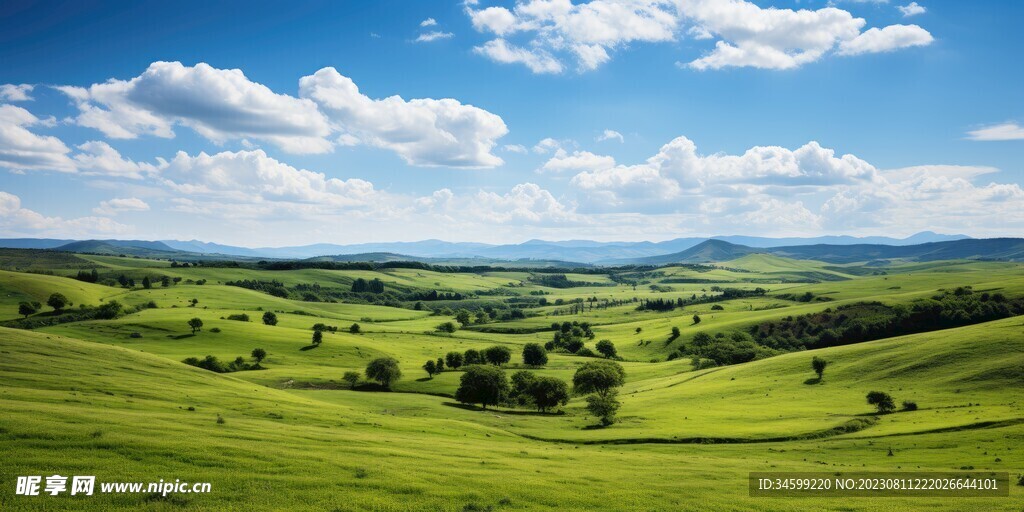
{"points": [[196, 324], [607, 348], [165, 281], [548, 392], [462, 317], [534, 355], [472, 356], [696, 319], [454, 360], [484, 385], [439, 364], [675, 334], [58, 302], [604, 407], [318, 337], [430, 367], [259, 355], [520, 392], [360, 285], [882, 401], [819, 364], [355, 329], [270, 318], [448, 327], [497, 355], [599, 377], [146, 283], [352, 378], [28, 308], [384, 370]]}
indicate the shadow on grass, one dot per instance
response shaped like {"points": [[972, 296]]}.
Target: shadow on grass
{"points": [[308, 347], [510, 412], [813, 380], [181, 336], [424, 379]]}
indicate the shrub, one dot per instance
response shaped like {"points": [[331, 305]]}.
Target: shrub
{"points": [[352, 378], [909, 405], [239, 317], [882, 401], [354, 329], [717, 307], [448, 327], [135, 335], [269, 318], [215, 330]]}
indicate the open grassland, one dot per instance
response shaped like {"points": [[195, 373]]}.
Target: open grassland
{"points": [[112, 398]]}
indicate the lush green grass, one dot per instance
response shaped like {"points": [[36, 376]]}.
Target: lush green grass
{"points": [[87, 398]]}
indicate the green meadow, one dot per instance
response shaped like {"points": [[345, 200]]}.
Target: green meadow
{"points": [[112, 397]]}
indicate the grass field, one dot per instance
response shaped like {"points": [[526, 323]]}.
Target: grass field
{"points": [[112, 397]]}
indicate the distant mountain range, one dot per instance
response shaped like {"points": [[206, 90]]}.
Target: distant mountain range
{"points": [[1005, 249], [922, 246]]}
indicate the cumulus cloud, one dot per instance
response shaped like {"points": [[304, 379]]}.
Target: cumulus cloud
{"points": [[515, 148], [429, 22], [16, 220], [886, 39], [538, 60], [610, 135], [546, 145], [22, 149], [119, 205], [1004, 131], [911, 9], [525, 203], [578, 161], [15, 92], [746, 35], [254, 177], [219, 104], [427, 132], [98, 158]]}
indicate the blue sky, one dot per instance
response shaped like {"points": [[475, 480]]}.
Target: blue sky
{"points": [[661, 119]]}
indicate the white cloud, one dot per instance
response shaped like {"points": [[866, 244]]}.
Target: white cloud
{"points": [[254, 177], [578, 161], [911, 9], [429, 22], [14, 92], [23, 150], [15, 220], [886, 39], [538, 60], [119, 205], [435, 35], [545, 145], [747, 35], [425, 132], [515, 148], [610, 135], [98, 158], [1004, 131], [525, 203], [219, 104]]}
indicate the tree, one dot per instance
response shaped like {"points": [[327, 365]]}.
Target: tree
{"points": [[471, 356], [598, 377], [882, 401], [484, 385], [604, 407], [521, 382], [497, 355], [352, 378], [270, 318], [430, 367], [318, 337], [696, 319], [454, 360], [384, 370], [355, 329], [28, 308], [548, 392], [819, 364], [259, 355], [146, 283], [439, 364], [675, 333], [447, 327], [607, 348], [360, 285], [196, 324], [165, 281], [462, 317], [58, 302], [534, 355]]}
